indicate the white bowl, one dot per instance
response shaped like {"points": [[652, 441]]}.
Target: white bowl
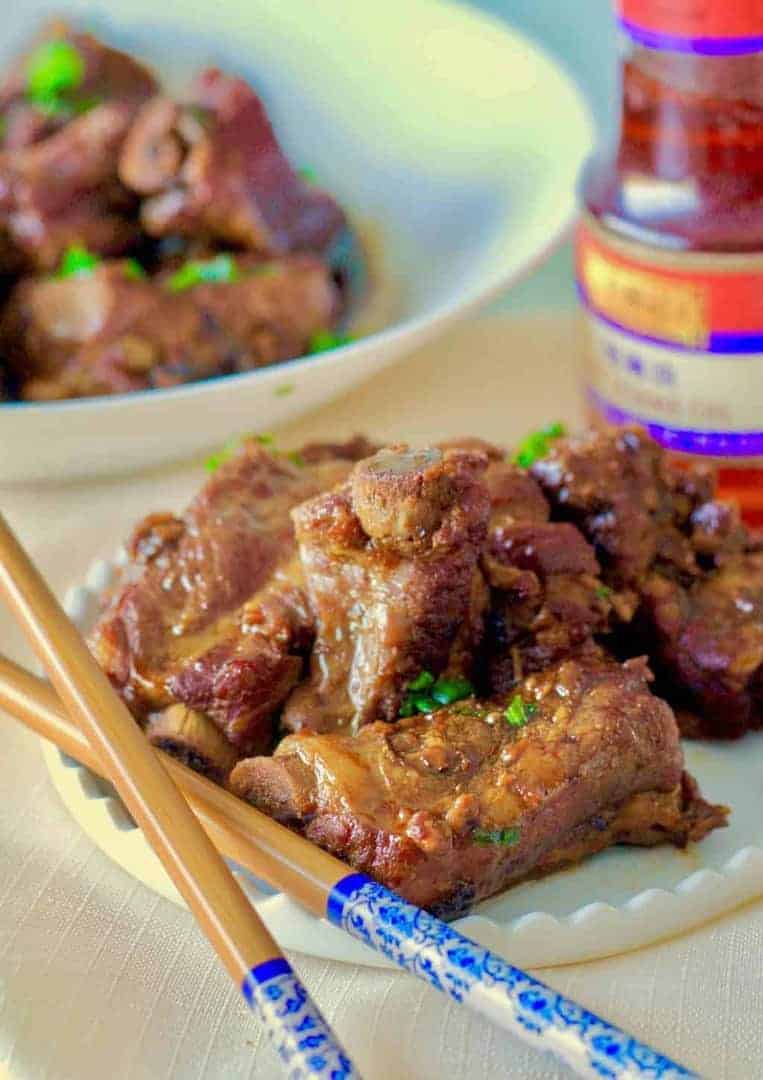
{"points": [[452, 138]]}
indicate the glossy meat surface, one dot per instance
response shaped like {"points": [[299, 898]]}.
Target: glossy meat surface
{"points": [[634, 507], [391, 568], [112, 332], [213, 169], [685, 579], [547, 600], [213, 613], [708, 645], [451, 807]]}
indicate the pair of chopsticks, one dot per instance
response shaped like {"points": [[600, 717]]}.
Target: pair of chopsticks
{"points": [[112, 744]]}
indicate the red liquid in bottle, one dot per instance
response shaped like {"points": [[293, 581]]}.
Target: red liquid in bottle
{"points": [[670, 249]]}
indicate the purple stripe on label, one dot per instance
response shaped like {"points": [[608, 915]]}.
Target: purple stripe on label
{"points": [[720, 343], [262, 973], [686, 440], [707, 46]]}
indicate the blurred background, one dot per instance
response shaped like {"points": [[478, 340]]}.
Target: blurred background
{"points": [[582, 37]]}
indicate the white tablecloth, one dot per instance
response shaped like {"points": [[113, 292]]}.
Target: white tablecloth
{"points": [[99, 977]]}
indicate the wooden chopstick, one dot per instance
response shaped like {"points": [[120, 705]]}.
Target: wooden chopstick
{"points": [[405, 935], [200, 874], [270, 851]]}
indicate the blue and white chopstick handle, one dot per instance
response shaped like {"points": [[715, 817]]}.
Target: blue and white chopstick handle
{"points": [[469, 973], [302, 1038]]}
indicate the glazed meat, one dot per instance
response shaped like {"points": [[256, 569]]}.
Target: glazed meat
{"points": [[684, 578], [213, 169], [627, 499], [450, 808], [547, 600], [391, 567], [213, 614], [58, 166], [707, 643], [112, 331], [220, 258]]}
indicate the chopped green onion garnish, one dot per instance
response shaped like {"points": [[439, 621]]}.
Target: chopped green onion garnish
{"points": [[231, 447], [295, 458], [221, 269], [77, 261], [308, 174], [496, 836], [225, 453], [65, 108], [425, 694], [324, 340], [518, 712], [537, 444], [52, 69], [285, 390], [603, 591], [554, 430], [133, 270], [446, 691]]}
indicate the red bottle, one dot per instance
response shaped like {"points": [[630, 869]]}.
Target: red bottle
{"points": [[670, 245]]}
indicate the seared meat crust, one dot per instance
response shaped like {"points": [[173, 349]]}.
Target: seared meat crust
{"points": [[459, 804], [547, 600], [685, 579], [391, 568], [213, 613], [707, 642], [388, 571]]}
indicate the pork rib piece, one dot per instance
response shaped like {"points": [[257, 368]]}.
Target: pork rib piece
{"points": [[707, 644], [107, 75], [64, 190], [213, 614], [58, 168], [687, 562], [213, 169], [113, 332], [452, 807], [547, 600], [391, 566]]}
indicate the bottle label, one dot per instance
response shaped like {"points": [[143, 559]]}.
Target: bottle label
{"points": [[712, 27], [677, 342]]}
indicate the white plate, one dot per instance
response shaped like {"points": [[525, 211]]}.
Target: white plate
{"points": [[622, 899], [454, 138]]}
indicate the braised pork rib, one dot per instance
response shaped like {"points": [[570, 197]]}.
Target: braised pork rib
{"points": [[113, 332], [214, 615], [451, 644], [391, 567], [686, 577], [451, 807], [147, 242]]}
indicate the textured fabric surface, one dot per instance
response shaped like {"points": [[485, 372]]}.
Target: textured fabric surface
{"points": [[99, 977]]}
